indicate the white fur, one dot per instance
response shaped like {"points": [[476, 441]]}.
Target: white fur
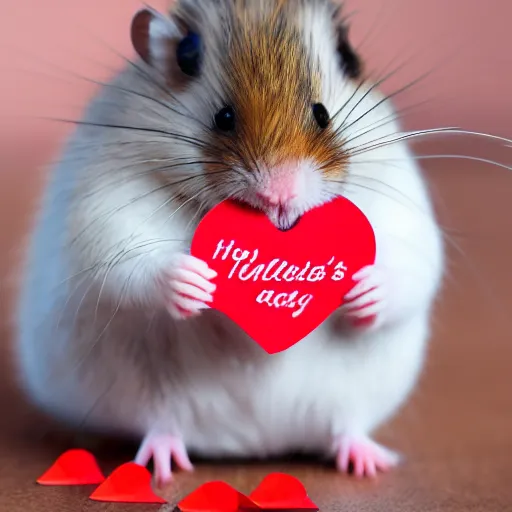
{"points": [[103, 350]]}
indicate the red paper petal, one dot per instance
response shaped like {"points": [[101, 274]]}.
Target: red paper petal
{"points": [[216, 497], [73, 467], [278, 491], [129, 483]]}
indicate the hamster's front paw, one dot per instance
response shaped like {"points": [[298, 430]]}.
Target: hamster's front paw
{"points": [[162, 448], [364, 305], [187, 286]]}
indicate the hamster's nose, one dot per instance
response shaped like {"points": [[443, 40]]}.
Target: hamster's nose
{"points": [[277, 196]]}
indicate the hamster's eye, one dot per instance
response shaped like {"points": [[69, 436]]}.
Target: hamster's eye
{"points": [[225, 119], [188, 54], [321, 115]]}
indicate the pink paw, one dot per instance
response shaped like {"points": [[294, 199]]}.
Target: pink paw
{"points": [[364, 304], [364, 456], [188, 288], [162, 448]]}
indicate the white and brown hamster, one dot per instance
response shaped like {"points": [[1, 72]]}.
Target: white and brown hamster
{"points": [[266, 102]]}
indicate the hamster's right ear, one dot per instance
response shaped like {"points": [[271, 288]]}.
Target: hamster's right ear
{"points": [[164, 45]]}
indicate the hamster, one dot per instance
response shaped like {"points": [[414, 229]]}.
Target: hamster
{"points": [[265, 102]]}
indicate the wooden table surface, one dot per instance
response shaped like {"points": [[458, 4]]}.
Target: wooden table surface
{"points": [[456, 431]]}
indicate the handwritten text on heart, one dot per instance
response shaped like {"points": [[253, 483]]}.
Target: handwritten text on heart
{"points": [[246, 267]]}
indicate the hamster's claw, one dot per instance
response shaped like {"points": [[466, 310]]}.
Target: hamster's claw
{"points": [[363, 456], [162, 448], [188, 288], [364, 304]]}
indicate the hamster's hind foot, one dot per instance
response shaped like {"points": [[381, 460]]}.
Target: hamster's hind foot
{"points": [[364, 456], [162, 448]]}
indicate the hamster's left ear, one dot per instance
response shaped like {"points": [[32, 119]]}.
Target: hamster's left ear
{"points": [[166, 45], [350, 60]]}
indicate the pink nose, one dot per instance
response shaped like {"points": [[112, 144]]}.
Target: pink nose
{"points": [[277, 196]]}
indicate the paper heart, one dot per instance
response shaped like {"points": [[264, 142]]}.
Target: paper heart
{"points": [[129, 483], [279, 491], [216, 497], [277, 285], [73, 467]]}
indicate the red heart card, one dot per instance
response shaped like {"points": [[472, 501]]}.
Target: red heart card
{"points": [[73, 467], [278, 286], [129, 483]]}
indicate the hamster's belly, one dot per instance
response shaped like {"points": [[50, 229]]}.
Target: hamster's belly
{"points": [[263, 405], [207, 382]]}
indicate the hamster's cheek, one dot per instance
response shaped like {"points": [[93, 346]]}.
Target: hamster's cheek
{"points": [[312, 186]]}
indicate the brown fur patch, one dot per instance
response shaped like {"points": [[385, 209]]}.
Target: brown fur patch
{"points": [[272, 85]]}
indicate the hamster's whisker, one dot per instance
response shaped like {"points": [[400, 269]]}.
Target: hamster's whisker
{"points": [[344, 127], [377, 82], [437, 157], [122, 295], [398, 114], [203, 205], [106, 215], [387, 186], [188, 116], [93, 270], [167, 106], [368, 187], [371, 31], [142, 245], [114, 86], [174, 136], [81, 425], [483, 284], [163, 169], [349, 183], [459, 131], [150, 79], [120, 255], [190, 200], [176, 210], [375, 144], [240, 154], [463, 157], [356, 90], [117, 144], [92, 346], [156, 116], [446, 229], [170, 200], [389, 140]]}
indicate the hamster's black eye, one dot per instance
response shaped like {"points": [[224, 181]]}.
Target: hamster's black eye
{"points": [[225, 119], [321, 115], [188, 54]]}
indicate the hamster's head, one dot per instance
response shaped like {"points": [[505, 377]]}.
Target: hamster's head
{"points": [[259, 90]]}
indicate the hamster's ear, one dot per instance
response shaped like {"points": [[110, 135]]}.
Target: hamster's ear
{"points": [[164, 45], [351, 62], [151, 33]]}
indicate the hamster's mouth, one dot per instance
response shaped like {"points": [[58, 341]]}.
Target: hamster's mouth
{"points": [[291, 226], [284, 218]]}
